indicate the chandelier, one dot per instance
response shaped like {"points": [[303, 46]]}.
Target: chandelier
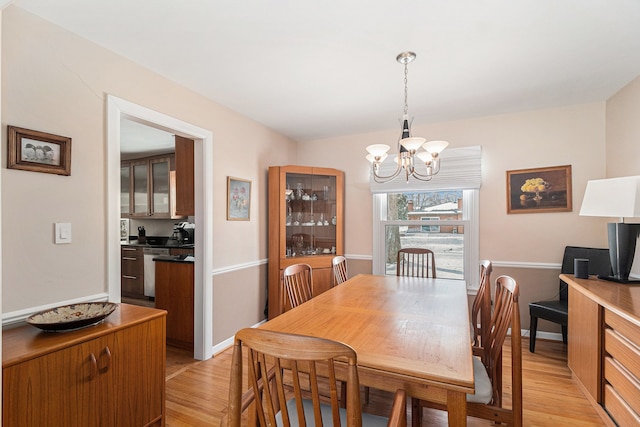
{"points": [[408, 146]]}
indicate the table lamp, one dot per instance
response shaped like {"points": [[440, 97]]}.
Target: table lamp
{"points": [[616, 197]]}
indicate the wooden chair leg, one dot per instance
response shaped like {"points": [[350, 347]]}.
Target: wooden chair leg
{"points": [[416, 413]]}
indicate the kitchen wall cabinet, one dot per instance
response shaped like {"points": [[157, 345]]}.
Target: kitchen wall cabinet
{"points": [[306, 220], [109, 374], [175, 293], [185, 202], [149, 189], [132, 271]]}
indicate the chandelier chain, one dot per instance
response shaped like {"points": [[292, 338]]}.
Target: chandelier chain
{"points": [[406, 92]]}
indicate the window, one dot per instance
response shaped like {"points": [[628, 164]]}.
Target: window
{"points": [[451, 234], [448, 203]]}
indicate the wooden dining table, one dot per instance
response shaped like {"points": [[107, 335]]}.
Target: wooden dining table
{"points": [[409, 333]]}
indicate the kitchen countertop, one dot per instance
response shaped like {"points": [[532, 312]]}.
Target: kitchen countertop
{"points": [[148, 245], [188, 259]]}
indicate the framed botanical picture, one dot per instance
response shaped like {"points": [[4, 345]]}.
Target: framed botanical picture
{"points": [[238, 199], [36, 151], [539, 190]]}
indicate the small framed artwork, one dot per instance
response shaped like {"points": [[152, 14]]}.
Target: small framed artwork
{"points": [[36, 151], [539, 190], [124, 229], [238, 199]]}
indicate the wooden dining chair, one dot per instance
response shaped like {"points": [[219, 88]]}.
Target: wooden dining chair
{"points": [[487, 402], [481, 309], [339, 264], [416, 262], [297, 280], [279, 366]]}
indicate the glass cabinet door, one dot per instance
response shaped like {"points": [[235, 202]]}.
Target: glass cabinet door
{"points": [[140, 188], [160, 184], [125, 189], [310, 214]]}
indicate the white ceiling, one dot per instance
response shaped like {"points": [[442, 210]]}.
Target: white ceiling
{"points": [[137, 139], [314, 69]]}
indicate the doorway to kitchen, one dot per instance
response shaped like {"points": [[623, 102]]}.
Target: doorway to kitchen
{"points": [[117, 110]]}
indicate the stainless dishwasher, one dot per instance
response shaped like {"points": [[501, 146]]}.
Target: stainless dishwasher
{"points": [[150, 269]]}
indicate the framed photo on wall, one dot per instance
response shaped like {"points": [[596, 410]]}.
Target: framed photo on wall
{"points": [[539, 190], [36, 151], [238, 199]]}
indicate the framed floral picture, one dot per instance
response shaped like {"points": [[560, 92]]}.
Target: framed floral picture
{"points": [[238, 199], [539, 190]]}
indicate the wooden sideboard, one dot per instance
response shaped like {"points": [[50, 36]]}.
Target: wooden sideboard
{"points": [[604, 346], [112, 373]]}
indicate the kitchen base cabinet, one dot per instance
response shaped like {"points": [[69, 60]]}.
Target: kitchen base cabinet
{"points": [[174, 293], [132, 271], [104, 375]]}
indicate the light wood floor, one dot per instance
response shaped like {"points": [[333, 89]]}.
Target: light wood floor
{"points": [[197, 392]]}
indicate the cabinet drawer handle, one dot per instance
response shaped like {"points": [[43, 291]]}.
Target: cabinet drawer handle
{"points": [[129, 277], [128, 258], [94, 366], [105, 359], [129, 249]]}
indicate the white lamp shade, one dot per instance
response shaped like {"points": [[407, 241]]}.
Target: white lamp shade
{"points": [[372, 158], [435, 146], [613, 197], [412, 143], [378, 150]]}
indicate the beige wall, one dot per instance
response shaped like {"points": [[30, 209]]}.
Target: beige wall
{"points": [[56, 82], [563, 136], [623, 132]]}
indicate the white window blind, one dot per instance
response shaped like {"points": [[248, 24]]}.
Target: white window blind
{"points": [[459, 170]]}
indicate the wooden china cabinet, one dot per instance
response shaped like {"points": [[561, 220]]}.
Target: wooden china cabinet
{"points": [[306, 225]]}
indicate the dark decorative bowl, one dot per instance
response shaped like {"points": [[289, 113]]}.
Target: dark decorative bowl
{"points": [[73, 316]]}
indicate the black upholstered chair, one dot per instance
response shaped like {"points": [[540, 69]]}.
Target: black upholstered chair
{"points": [[556, 311]]}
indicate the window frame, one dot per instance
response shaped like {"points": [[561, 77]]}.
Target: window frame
{"points": [[470, 221]]}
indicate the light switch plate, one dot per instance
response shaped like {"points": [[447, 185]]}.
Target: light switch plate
{"points": [[62, 233]]}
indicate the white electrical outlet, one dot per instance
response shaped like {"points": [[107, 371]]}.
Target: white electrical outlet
{"points": [[62, 233]]}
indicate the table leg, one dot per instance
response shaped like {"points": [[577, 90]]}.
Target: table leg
{"points": [[457, 408]]}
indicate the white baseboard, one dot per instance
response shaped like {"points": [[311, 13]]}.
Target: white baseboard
{"points": [[223, 345], [552, 336]]}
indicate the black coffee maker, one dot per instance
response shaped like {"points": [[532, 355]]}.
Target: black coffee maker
{"points": [[184, 232]]}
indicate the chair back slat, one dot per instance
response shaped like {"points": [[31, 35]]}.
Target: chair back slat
{"points": [[297, 280], [481, 309], [416, 262], [339, 264]]}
